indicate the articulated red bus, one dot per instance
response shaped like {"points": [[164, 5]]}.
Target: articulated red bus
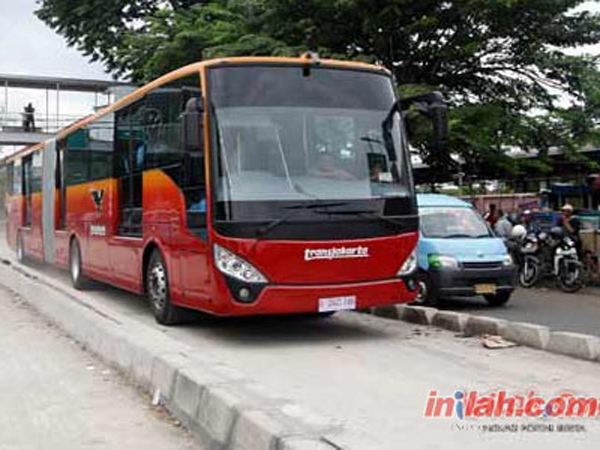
{"points": [[234, 186]]}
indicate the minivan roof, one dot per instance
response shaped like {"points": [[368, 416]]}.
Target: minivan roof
{"points": [[440, 200]]}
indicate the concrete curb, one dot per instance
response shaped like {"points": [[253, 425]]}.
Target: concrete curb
{"points": [[219, 405], [581, 345], [528, 334], [577, 345]]}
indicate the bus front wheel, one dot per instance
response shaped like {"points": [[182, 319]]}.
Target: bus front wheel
{"points": [[158, 293], [78, 279]]}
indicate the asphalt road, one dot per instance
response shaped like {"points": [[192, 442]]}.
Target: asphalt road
{"points": [[53, 395], [375, 375], [547, 305]]}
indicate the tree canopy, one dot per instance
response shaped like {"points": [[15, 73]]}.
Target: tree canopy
{"points": [[506, 66]]}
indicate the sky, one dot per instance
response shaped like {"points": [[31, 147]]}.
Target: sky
{"points": [[29, 47]]}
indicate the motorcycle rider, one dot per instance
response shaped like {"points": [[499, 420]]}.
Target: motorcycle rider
{"points": [[571, 225], [530, 225]]}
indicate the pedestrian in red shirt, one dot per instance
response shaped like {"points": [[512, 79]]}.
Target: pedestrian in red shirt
{"points": [[492, 215]]}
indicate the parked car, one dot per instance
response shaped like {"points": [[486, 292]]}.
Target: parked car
{"points": [[459, 254]]}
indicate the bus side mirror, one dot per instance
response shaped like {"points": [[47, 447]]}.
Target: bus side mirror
{"points": [[193, 117], [433, 106]]}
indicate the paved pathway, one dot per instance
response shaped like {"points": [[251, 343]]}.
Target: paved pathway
{"points": [[55, 396]]}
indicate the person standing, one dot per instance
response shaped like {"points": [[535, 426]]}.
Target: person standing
{"points": [[503, 227], [492, 215], [29, 118]]}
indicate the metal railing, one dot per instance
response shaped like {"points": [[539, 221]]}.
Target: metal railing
{"points": [[16, 122]]}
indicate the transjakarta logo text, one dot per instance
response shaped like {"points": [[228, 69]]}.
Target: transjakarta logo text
{"points": [[311, 254]]}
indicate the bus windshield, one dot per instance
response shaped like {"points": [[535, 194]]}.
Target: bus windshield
{"points": [[285, 135]]}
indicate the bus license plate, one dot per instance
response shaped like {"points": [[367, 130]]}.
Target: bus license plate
{"points": [[485, 288], [337, 303]]}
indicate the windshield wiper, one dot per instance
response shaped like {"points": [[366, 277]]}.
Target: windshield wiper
{"points": [[371, 140], [469, 236], [293, 210], [361, 212]]}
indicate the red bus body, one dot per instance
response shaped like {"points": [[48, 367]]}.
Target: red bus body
{"points": [[296, 280]]}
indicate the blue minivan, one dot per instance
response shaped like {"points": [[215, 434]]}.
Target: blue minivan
{"points": [[459, 255]]}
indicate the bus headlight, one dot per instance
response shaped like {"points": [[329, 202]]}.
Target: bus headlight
{"points": [[236, 267], [410, 265]]}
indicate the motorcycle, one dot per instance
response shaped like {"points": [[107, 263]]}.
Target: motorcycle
{"points": [[552, 254], [529, 260]]}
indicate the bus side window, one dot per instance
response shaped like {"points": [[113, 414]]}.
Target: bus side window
{"points": [[36, 174], [10, 172], [167, 147], [77, 158], [129, 138], [32, 182], [17, 188]]}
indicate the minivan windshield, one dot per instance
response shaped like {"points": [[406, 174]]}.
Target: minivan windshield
{"points": [[452, 222]]}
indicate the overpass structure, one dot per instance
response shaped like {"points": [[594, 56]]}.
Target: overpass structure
{"points": [[13, 129]]}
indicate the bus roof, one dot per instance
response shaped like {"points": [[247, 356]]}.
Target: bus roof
{"points": [[306, 58]]}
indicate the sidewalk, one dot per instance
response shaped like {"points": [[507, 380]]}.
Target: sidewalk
{"points": [[53, 395]]}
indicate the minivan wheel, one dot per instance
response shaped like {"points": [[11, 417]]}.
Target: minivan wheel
{"points": [[78, 279], [497, 299], [158, 294], [425, 295]]}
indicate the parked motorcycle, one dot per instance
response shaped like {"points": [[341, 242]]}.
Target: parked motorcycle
{"points": [[553, 254], [530, 259]]}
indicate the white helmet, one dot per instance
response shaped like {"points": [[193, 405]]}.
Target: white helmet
{"points": [[518, 232]]}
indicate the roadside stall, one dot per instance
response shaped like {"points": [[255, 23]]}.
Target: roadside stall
{"points": [[590, 240]]}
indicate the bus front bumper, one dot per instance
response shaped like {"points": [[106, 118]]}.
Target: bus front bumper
{"points": [[279, 299]]}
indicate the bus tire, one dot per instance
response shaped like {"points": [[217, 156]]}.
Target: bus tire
{"points": [[159, 294], [78, 279], [21, 256]]}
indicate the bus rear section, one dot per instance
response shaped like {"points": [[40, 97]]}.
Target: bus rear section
{"points": [[236, 187]]}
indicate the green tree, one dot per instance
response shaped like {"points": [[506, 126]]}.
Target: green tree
{"points": [[504, 65]]}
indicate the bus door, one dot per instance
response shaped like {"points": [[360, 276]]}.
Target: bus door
{"points": [[126, 244], [175, 195], [61, 236], [101, 190], [48, 200], [14, 206], [130, 148], [27, 190], [194, 262]]}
